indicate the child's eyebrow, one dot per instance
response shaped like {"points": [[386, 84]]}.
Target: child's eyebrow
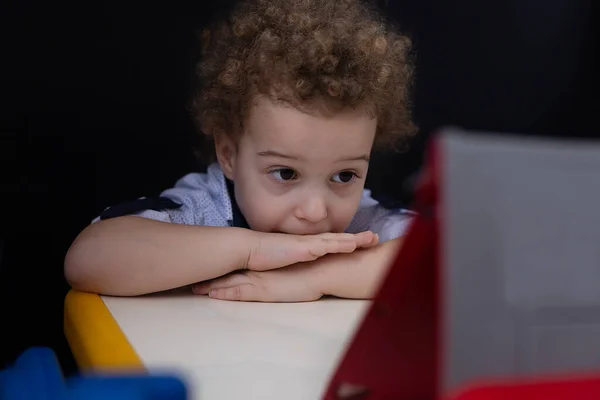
{"points": [[271, 153], [364, 157]]}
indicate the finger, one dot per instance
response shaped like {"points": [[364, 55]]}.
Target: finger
{"points": [[374, 242], [329, 243], [350, 242], [219, 283], [360, 237], [200, 288], [328, 246], [365, 238], [246, 292]]}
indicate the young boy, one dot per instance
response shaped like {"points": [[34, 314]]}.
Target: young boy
{"points": [[295, 94]]}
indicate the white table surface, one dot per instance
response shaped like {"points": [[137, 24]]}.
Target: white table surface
{"points": [[230, 350]]}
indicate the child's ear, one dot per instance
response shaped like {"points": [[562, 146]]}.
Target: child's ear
{"points": [[226, 155]]}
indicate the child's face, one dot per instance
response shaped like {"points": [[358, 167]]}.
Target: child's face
{"points": [[299, 173]]}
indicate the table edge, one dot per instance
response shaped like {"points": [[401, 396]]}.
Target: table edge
{"points": [[94, 336]]}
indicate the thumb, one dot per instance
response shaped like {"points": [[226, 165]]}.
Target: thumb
{"points": [[246, 292]]}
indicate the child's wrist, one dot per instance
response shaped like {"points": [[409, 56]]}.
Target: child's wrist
{"points": [[356, 275], [245, 242], [254, 244], [328, 271]]}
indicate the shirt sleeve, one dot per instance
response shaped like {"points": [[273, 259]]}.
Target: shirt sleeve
{"points": [[190, 202], [388, 223]]}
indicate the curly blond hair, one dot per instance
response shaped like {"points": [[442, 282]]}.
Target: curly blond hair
{"points": [[316, 55]]}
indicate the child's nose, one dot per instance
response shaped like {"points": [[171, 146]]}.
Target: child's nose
{"points": [[312, 209]]}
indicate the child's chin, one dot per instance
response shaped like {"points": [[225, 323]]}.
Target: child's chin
{"points": [[286, 232]]}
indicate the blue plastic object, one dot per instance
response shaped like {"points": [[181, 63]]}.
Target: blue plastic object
{"points": [[127, 388], [36, 375]]}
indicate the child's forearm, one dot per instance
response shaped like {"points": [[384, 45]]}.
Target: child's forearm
{"points": [[357, 275], [130, 256]]}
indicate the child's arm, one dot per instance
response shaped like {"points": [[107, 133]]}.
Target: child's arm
{"points": [[128, 256], [355, 276]]}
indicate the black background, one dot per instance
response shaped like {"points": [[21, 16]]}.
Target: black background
{"points": [[93, 98]]}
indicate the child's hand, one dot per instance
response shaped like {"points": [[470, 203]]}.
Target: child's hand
{"points": [[291, 284], [351, 276], [277, 250]]}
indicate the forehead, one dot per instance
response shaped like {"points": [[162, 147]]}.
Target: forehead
{"points": [[288, 129]]}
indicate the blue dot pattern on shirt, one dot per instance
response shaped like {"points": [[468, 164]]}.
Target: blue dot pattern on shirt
{"points": [[205, 201]]}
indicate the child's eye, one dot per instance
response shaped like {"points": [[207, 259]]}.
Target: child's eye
{"points": [[284, 174], [343, 177]]}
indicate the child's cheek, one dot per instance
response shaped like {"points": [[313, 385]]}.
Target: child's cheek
{"points": [[262, 213]]}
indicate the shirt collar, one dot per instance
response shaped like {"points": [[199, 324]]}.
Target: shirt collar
{"points": [[239, 221]]}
